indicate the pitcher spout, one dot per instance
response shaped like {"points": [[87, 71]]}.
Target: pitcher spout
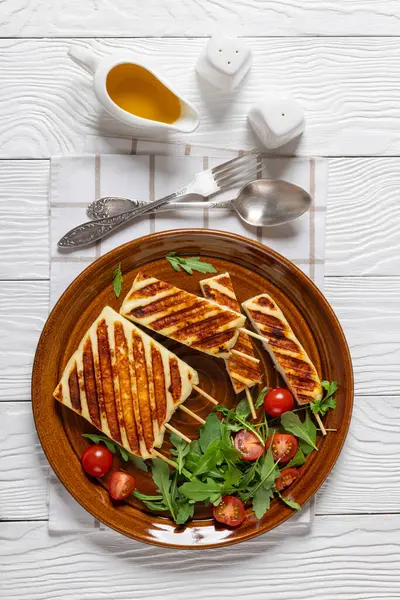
{"points": [[189, 119]]}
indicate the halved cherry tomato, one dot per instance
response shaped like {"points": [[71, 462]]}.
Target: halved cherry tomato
{"points": [[96, 460], [284, 446], [286, 478], [248, 445], [230, 511], [278, 401], [121, 485]]}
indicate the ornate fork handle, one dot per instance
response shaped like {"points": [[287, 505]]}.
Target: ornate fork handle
{"points": [[90, 232]]}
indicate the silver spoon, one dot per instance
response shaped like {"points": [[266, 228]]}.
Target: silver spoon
{"points": [[261, 203]]}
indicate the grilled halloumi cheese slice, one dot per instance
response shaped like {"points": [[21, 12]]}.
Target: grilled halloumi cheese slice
{"points": [[242, 371], [288, 355], [184, 317], [125, 383]]}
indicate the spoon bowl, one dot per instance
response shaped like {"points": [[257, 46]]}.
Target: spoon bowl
{"points": [[270, 202]]}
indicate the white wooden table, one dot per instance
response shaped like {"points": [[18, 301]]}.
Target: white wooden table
{"points": [[341, 59]]}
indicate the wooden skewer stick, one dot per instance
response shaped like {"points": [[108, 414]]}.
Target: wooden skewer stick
{"points": [[320, 423], [191, 413], [203, 393], [252, 358], [164, 458], [251, 404], [177, 432], [254, 335]]}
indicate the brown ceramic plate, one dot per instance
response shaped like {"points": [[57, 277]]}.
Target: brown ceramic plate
{"points": [[254, 269]]}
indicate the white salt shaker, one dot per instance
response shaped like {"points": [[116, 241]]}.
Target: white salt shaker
{"points": [[277, 120], [224, 61]]}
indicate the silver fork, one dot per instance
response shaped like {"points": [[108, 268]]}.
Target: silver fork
{"points": [[218, 179]]}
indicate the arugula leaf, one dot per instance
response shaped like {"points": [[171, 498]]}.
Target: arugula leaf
{"points": [[210, 431], [243, 408], [248, 476], [262, 501], [161, 477], [180, 451], [305, 431], [117, 280], [260, 398], [240, 420], [199, 491], [232, 476], [289, 502], [211, 457], [297, 460], [189, 264], [153, 502], [322, 406], [193, 456], [93, 437], [269, 472], [138, 462], [185, 511]]}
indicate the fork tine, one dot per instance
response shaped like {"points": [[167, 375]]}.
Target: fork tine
{"points": [[239, 176], [237, 170], [232, 180], [240, 160]]}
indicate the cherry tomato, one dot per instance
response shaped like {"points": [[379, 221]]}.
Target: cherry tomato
{"points": [[248, 445], [96, 460], [284, 446], [278, 401], [120, 485], [230, 511], [286, 478]]}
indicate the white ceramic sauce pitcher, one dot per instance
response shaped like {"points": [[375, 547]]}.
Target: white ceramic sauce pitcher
{"points": [[188, 120]]}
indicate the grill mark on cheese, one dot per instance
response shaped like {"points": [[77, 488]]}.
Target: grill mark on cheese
{"points": [[195, 311], [143, 390], [226, 281], [74, 393], [107, 380], [220, 298], [159, 384], [282, 343], [202, 329], [125, 386], [269, 320], [295, 364], [150, 290], [90, 383], [263, 301], [176, 383], [218, 340], [158, 306]]}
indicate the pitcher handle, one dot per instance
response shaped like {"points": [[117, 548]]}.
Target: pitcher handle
{"points": [[84, 57]]}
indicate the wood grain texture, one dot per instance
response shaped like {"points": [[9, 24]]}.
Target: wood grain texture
{"points": [[54, 18], [356, 559], [363, 221], [367, 308], [347, 86], [24, 248], [23, 310], [23, 466], [370, 457], [369, 311]]}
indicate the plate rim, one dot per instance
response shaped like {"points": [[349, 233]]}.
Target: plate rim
{"points": [[38, 367]]}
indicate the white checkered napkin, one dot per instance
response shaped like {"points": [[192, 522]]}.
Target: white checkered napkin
{"points": [[148, 170]]}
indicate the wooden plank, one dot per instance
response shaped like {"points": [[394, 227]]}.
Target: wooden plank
{"points": [[363, 221], [190, 18], [23, 311], [368, 309], [342, 559], [355, 81], [24, 247], [23, 466], [368, 461]]}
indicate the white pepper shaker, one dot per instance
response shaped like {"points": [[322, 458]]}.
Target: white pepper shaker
{"points": [[224, 61], [277, 120]]}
